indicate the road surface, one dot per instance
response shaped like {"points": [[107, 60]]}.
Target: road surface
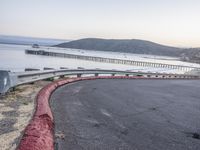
{"points": [[127, 115]]}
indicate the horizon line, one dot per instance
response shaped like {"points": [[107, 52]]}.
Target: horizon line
{"points": [[26, 36]]}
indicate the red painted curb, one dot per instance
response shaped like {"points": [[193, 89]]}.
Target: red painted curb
{"points": [[38, 134]]}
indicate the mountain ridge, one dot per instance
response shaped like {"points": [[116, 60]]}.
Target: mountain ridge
{"points": [[123, 45]]}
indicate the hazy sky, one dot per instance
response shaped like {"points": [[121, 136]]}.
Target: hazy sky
{"points": [[172, 22]]}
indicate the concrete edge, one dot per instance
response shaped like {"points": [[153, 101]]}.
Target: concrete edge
{"points": [[39, 133]]}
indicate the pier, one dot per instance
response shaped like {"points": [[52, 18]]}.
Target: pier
{"points": [[111, 60]]}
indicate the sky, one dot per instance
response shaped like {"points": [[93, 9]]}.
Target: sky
{"points": [[169, 22]]}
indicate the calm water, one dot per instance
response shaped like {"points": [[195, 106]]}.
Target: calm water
{"points": [[13, 57]]}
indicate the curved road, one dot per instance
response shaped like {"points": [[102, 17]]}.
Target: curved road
{"points": [[127, 115]]}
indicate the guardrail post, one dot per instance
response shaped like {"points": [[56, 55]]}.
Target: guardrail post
{"points": [[64, 68], [4, 81], [148, 76], [31, 69], [62, 76], [96, 74], [113, 74], [46, 68], [79, 75]]}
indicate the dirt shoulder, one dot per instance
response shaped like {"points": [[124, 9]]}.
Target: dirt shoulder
{"points": [[16, 110]]}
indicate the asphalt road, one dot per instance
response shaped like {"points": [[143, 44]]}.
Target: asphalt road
{"points": [[127, 115]]}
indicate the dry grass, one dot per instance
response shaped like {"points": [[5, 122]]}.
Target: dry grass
{"points": [[16, 110]]}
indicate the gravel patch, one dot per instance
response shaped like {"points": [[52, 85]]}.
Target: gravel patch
{"points": [[16, 110]]}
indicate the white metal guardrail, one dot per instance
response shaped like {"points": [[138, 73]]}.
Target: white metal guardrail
{"points": [[11, 79]]}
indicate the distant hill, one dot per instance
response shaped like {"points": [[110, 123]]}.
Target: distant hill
{"points": [[20, 40], [129, 46], [191, 55]]}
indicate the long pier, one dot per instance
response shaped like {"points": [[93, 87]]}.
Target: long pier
{"points": [[111, 60]]}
